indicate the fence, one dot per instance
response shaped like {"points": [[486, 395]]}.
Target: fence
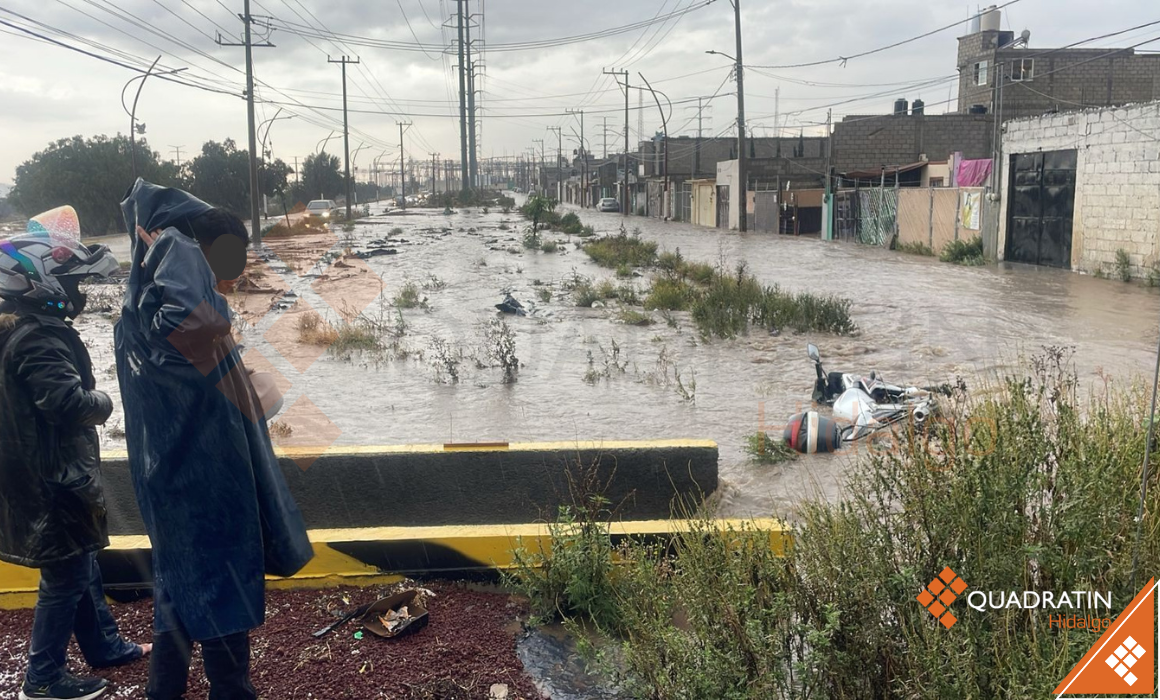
{"points": [[933, 217]]}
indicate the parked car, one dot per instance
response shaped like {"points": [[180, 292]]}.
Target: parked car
{"points": [[322, 209], [608, 204]]}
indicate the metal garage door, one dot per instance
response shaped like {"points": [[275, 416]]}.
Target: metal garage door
{"points": [[1042, 198]]}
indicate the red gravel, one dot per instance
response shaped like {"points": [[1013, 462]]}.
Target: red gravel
{"points": [[468, 645]]}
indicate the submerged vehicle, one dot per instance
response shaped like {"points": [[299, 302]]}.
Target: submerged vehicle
{"points": [[863, 405]]}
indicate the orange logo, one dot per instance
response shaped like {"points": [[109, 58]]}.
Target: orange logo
{"points": [[1123, 659], [940, 593]]}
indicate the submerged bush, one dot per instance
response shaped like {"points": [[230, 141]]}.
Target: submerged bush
{"points": [[621, 249], [962, 252]]}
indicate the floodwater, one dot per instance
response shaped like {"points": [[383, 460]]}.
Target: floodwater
{"points": [[920, 321]]}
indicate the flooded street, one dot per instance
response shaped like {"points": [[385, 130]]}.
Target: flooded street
{"points": [[586, 376]]}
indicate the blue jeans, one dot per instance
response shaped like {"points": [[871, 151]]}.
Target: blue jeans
{"points": [[71, 601]]}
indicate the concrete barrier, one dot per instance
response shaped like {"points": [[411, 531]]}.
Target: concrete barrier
{"points": [[375, 555], [430, 485]]}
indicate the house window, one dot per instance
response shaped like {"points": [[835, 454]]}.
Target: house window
{"points": [[937, 182], [981, 73], [1022, 69]]}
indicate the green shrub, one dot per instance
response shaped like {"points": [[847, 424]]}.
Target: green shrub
{"points": [[621, 249], [764, 449], [632, 317], [550, 246], [570, 223], [734, 301], [1123, 265], [408, 296], [962, 252], [668, 294]]}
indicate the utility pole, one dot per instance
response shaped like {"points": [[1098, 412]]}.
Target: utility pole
{"points": [[177, 154], [624, 186], [295, 171], [540, 176], [583, 158], [402, 162], [434, 178], [345, 128], [463, 175], [255, 228], [472, 164], [742, 156], [559, 166], [605, 137]]}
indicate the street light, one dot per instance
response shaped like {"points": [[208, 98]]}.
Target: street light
{"points": [[262, 162], [134, 128], [667, 199], [271, 121], [320, 147]]}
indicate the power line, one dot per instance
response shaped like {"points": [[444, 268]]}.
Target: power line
{"points": [[841, 60]]}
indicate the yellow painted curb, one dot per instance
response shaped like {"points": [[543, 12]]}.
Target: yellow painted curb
{"points": [[295, 452], [381, 555]]}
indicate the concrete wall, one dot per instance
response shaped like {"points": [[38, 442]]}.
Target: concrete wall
{"points": [[431, 485], [1117, 193], [868, 143]]}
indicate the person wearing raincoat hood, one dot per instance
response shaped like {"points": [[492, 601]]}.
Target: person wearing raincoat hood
{"points": [[214, 501]]}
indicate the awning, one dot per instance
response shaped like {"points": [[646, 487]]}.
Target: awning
{"points": [[889, 171]]}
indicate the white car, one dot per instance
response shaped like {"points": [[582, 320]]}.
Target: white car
{"points": [[322, 209], [608, 204]]}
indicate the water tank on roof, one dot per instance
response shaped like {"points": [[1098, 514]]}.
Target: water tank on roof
{"points": [[900, 106], [974, 26], [989, 21], [916, 108]]}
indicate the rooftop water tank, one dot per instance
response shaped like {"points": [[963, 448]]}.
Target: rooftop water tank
{"points": [[900, 106], [989, 21], [916, 108]]}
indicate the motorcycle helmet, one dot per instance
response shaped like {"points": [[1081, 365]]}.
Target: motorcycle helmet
{"points": [[811, 432], [43, 268]]}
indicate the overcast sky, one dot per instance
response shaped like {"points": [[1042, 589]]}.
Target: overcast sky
{"points": [[47, 92]]}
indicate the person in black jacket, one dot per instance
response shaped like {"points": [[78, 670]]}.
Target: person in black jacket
{"points": [[52, 510]]}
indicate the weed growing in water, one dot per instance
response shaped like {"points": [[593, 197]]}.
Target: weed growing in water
{"points": [[962, 252], [312, 330], [408, 297], [1123, 265], [550, 247], [500, 344], [764, 449], [446, 360], [915, 248], [622, 249]]}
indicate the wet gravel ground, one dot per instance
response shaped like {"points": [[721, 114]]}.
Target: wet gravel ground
{"points": [[468, 646]]}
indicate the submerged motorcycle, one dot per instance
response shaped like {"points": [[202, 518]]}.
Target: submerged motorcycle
{"points": [[862, 406]]}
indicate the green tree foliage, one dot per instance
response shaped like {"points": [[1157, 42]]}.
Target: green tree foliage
{"points": [[90, 174], [321, 178], [221, 175]]}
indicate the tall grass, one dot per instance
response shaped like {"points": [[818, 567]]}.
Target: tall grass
{"points": [[732, 302], [962, 252], [1023, 487], [621, 249]]}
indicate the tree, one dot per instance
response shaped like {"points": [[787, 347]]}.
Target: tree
{"points": [[321, 178], [92, 175], [221, 176]]}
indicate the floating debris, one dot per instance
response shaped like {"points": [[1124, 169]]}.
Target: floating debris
{"points": [[510, 305]]}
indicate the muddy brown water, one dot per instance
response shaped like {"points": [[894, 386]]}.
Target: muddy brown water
{"points": [[920, 321]]}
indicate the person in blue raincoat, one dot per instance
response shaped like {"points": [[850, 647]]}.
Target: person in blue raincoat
{"points": [[214, 501]]}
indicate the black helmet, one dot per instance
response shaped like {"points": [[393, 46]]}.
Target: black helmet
{"points": [[42, 269]]}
